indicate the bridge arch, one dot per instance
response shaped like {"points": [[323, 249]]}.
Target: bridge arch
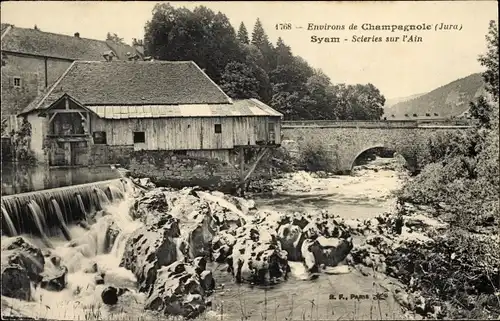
{"points": [[374, 147]]}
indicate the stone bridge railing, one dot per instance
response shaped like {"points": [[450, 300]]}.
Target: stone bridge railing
{"points": [[434, 123]]}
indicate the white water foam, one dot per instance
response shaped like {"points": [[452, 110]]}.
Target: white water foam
{"points": [[81, 297]]}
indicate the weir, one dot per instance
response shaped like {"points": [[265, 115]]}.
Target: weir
{"points": [[47, 213]]}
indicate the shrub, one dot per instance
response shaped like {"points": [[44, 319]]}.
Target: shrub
{"points": [[314, 157]]}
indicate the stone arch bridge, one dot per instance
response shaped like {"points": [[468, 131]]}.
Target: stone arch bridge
{"points": [[346, 140]]}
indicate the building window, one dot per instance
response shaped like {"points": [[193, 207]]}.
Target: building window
{"points": [[218, 128], [139, 137], [99, 137], [17, 82], [270, 127]]}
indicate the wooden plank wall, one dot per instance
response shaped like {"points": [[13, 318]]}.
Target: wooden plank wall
{"points": [[186, 133]]}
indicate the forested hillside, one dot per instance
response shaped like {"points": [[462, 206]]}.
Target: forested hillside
{"points": [[246, 64]]}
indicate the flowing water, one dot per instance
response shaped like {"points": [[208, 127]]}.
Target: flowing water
{"points": [[364, 195]]}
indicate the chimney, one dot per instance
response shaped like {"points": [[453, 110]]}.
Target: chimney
{"points": [[77, 34]]}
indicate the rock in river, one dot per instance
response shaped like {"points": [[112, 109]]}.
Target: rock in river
{"points": [[257, 256], [178, 291], [147, 250], [111, 294], [22, 263]]}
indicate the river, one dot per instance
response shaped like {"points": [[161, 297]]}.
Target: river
{"points": [[365, 194]]}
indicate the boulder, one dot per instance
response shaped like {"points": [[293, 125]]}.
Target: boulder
{"points": [[200, 229], [291, 239], [54, 278], [177, 291], [222, 246], [112, 232], [147, 250], [25, 255], [257, 256], [224, 218], [200, 264], [325, 251], [331, 251], [151, 202], [15, 280], [22, 263], [207, 281], [111, 294], [54, 275], [146, 182]]}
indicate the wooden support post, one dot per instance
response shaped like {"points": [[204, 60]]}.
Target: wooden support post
{"points": [[261, 154], [89, 138], [67, 154], [242, 170]]}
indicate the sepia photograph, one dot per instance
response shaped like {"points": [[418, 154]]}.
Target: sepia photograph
{"points": [[250, 160]]}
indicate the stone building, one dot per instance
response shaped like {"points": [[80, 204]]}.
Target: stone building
{"points": [[32, 60]]}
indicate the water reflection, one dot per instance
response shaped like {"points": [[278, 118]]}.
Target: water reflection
{"points": [[21, 178]]}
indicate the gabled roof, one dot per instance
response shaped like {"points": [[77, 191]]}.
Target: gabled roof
{"points": [[36, 42], [95, 83]]}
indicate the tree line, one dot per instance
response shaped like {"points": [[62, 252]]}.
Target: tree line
{"points": [[250, 66]]}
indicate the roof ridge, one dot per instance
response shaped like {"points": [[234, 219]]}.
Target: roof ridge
{"points": [[55, 85], [54, 33]]}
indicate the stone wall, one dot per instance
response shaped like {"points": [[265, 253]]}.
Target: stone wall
{"points": [[104, 154], [31, 70], [165, 168]]}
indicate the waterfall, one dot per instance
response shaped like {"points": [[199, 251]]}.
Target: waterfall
{"points": [[116, 192], [10, 225], [54, 212], [54, 208], [103, 198], [37, 214], [60, 217], [82, 206]]}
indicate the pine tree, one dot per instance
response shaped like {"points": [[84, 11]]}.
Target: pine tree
{"points": [[261, 41], [243, 34], [283, 53], [259, 37]]}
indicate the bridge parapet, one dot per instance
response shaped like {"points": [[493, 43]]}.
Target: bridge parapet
{"points": [[377, 123], [350, 124]]}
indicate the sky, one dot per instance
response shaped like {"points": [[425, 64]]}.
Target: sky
{"points": [[398, 69]]}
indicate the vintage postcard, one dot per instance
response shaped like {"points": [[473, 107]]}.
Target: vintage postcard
{"points": [[246, 160]]}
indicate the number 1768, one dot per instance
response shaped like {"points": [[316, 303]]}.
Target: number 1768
{"points": [[283, 26]]}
